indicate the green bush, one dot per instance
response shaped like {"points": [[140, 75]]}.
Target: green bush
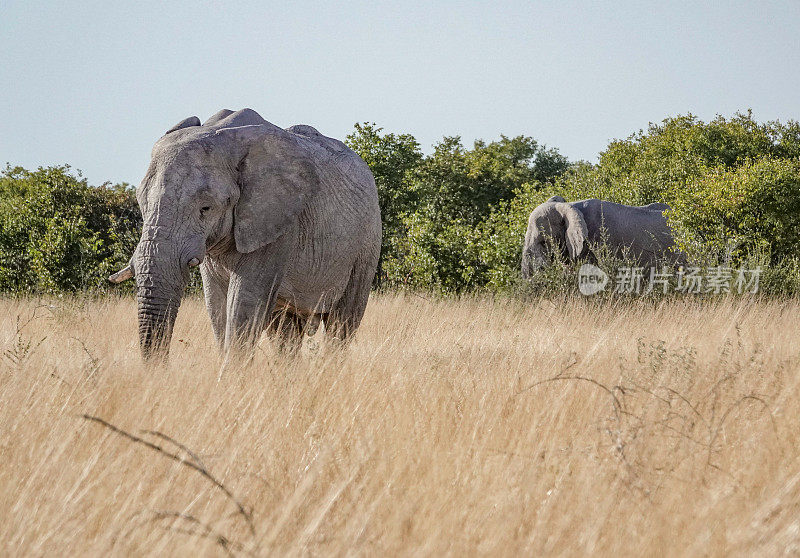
{"points": [[658, 164], [391, 159], [58, 234], [727, 213], [434, 208], [502, 233], [454, 220], [734, 185]]}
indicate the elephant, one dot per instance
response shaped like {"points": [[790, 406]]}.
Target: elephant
{"points": [[639, 231], [284, 223]]}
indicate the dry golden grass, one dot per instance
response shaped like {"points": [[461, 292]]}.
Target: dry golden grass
{"points": [[471, 426]]}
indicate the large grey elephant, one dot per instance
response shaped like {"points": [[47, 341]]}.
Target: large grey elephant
{"points": [[639, 231], [279, 221]]}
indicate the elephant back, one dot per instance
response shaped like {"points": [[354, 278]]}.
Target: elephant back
{"points": [[335, 162], [303, 130]]}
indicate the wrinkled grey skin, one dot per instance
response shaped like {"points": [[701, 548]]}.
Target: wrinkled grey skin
{"points": [[282, 222], [574, 227]]}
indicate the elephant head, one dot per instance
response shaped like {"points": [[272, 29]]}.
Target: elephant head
{"points": [[553, 225], [234, 179]]}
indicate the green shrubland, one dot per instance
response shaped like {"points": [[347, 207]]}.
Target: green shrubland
{"points": [[59, 234], [733, 184], [454, 219]]}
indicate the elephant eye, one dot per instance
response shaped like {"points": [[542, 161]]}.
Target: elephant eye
{"points": [[204, 210]]}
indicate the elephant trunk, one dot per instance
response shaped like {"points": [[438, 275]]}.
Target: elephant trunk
{"points": [[527, 263], [160, 281], [532, 261], [156, 322]]}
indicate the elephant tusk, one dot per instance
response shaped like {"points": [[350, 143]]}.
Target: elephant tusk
{"points": [[194, 262], [122, 275]]}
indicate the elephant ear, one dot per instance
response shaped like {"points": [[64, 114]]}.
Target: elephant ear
{"points": [[276, 179], [557, 199], [185, 123], [577, 233]]}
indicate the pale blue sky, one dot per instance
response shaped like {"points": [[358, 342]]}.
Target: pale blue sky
{"points": [[95, 83]]}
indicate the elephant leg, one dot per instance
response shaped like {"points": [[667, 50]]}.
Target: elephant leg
{"points": [[252, 291], [345, 316], [215, 289], [289, 328]]}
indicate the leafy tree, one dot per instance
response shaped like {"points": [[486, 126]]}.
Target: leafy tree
{"points": [[443, 247], [658, 164], [732, 182], [455, 183], [503, 232], [733, 212], [455, 220], [433, 206], [391, 158], [57, 233]]}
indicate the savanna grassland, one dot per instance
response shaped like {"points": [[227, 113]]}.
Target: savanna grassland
{"points": [[448, 426]]}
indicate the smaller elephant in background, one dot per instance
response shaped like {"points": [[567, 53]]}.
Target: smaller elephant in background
{"points": [[571, 227]]}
